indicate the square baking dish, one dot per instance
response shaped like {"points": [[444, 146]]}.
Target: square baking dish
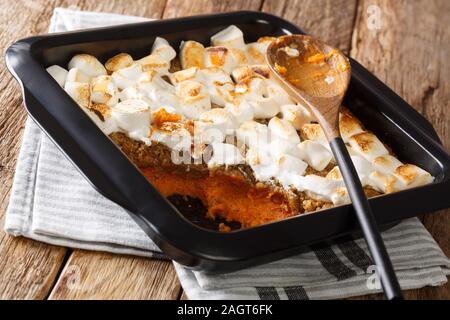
{"points": [[102, 163]]}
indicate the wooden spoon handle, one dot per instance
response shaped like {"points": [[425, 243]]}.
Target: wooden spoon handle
{"points": [[366, 220]]}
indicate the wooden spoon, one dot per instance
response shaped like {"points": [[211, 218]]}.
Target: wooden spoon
{"points": [[318, 76]]}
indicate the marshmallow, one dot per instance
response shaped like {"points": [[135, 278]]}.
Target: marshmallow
{"points": [[244, 73], [280, 147], [241, 110], [155, 62], [194, 99], [192, 54], [225, 154], [128, 76], [315, 154], [119, 61], [218, 84], [163, 49], [80, 92], [282, 129], [87, 64], [314, 132], [296, 114], [221, 118], [133, 117], [183, 75], [257, 50], [58, 73], [386, 163], [385, 183], [367, 145], [231, 37], [413, 176], [101, 115], [349, 125], [103, 90], [319, 188], [157, 90], [76, 75], [255, 92], [220, 57], [252, 134], [175, 136], [288, 167], [262, 164]]}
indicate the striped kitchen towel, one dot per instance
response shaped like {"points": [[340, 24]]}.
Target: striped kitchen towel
{"points": [[51, 202]]}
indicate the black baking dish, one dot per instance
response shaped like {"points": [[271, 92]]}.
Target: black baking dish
{"points": [[113, 175]]}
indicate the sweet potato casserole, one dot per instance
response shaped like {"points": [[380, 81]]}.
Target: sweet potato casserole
{"points": [[212, 125]]}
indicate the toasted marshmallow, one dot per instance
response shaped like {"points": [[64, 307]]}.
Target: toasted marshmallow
{"points": [[101, 115], [76, 75], [288, 167], [225, 154], [334, 174], [315, 154], [244, 73], [133, 117], [157, 90], [241, 110], [58, 73], [175, 136], [183, 75], [218, 84], [255, 92], [314, 132], [155, 62], [194, 99], [103, 90], [163, 49], [221, 118], [349, 126], [133, 92], [128, 76], [386, 163], [296, 114], [386, 183], [257, 50], [283, 130], [413, 176], [220, 57], [280, 147], [262, 163], [231, 37], [364, 168], [192, 54], [367, 145], [278, 94], [119, 61], [318, 187], [87, 64], [80, 92], [252, 134]]}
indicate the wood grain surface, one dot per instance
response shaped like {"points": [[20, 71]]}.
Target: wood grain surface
{"points": [[409, 51]]}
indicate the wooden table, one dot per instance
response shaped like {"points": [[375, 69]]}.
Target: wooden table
{"points": [[408, 49]]}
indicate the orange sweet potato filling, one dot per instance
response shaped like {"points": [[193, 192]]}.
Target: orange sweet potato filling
{"points": [[229, 197]]}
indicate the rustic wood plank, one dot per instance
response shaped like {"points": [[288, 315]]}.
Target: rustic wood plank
{"points": [[329, 20], [96, 275], [180, 8], [409, 52]]}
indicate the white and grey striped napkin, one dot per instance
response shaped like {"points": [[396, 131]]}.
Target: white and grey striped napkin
{"points": [[51, 202]]}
